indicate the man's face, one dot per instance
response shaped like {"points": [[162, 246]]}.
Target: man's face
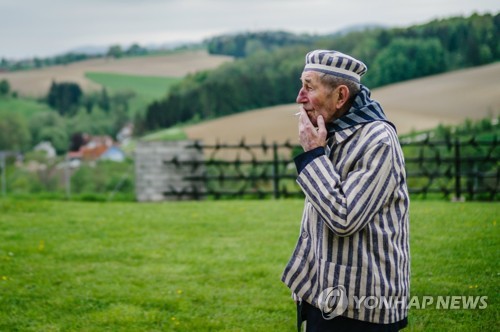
{"points": [[316, 98]]}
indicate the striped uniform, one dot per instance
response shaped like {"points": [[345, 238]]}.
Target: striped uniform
{"points": [[355, 224]]}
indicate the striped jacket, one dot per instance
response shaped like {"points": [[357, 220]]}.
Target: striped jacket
{"points": [[355, 224]]}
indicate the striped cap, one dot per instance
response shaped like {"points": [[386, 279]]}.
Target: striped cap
{"points": [[335, 63]]}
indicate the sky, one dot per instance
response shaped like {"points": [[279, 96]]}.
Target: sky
{"points": [[45, 28]]}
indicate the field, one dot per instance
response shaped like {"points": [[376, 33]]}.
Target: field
{"points": [[36, 83], [25, 107], [415, 105], [146, 89], [153, 87], [149, 77], [212, 266]]}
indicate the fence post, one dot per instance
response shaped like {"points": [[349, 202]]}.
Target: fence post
{"points": [[276, 179], [458, 189]]}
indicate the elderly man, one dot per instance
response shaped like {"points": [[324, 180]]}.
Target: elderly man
{"points": [[351, 265]]}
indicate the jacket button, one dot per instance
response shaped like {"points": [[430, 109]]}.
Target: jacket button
{"points": [[305, 235]]}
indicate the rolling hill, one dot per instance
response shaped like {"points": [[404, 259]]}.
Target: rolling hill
{"points": [[419, 104], [36, 83], [414, 105]]}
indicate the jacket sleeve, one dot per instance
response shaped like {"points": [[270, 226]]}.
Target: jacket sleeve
{"points": [[346, 206], [303, 159]]}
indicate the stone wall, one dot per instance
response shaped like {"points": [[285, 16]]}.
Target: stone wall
{"points": [[160, 174]]}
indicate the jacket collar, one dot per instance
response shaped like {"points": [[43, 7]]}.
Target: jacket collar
{"points": [[363, 110], [342, 135]]}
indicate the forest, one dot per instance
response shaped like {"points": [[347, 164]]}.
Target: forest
{"points": [[265, 74]]}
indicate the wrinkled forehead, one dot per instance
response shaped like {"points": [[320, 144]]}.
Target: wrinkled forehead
{"points": [[310, 77]]}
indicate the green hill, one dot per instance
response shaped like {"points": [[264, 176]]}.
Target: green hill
{"points": [[144, 88], [149, 86], [24, 107]]}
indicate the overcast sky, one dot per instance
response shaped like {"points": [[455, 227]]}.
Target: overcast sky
{"points": [[49, 27]]}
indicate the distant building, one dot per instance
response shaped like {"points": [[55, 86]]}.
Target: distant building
{"points": [[114, 153], [47, 147], [96, 147], [125, 133]]}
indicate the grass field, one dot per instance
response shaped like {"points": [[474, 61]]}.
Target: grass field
{"points": [[211, 266], [25, 107], [146, 88], [152, 87], [36, 83], [170, 134]]}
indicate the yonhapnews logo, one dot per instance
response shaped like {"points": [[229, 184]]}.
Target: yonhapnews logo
{"points": [[332, 302]]}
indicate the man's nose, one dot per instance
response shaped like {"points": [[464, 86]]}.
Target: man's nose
{"points": [[301, 97]]}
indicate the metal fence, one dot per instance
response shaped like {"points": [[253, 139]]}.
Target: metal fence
{"points": [[451, 168], [240, 170], [459, 169]]}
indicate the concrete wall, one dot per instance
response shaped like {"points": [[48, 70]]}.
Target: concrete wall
{"points": [[156, 172]]}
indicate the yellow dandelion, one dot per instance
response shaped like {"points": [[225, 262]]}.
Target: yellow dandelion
{"points": [[41, 245], [5, 278], [173, 319], [179, 291]]}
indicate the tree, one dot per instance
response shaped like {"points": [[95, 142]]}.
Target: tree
{"points": [[77, 141], [49, 126], [135, 50], [115, 51], [14, 132], [57, 136], [96, 123], [104, 102], [64, 97], [4, 87], [406, 58], [88, 102], [120, 110], [253, 46]]}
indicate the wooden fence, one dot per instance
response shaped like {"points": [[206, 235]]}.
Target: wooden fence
{"points": [[453, 168]]}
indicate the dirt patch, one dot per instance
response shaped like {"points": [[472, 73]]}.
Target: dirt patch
{"points": [[448, 99], [272, 124]]}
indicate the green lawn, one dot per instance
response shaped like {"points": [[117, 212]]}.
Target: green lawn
{"points": [[211, 266]]}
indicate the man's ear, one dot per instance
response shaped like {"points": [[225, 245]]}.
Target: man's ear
{"points": [[343, 93]]}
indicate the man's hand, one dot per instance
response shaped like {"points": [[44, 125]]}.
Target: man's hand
{"points": [[311, 137]]}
